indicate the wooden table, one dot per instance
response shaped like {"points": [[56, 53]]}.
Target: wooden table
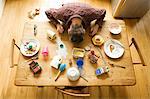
{"points": [[116, 76]]}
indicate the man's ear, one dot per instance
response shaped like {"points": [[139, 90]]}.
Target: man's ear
{"points": [[69, 31], [83, 24], [83, 31], [68, 24]]}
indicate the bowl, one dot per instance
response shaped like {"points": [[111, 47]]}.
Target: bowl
{"points": [[73, 74], [115, 28]]}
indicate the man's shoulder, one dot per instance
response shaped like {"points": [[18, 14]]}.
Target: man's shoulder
{"points": [[76, 4]]}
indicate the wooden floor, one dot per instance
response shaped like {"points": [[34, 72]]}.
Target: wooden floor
{"points": [[11, 26]]}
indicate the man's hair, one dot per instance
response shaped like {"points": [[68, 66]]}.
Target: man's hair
{"points": [[76, 30], [68, 23]]}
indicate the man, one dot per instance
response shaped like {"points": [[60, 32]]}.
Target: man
{"points": [[76, 17]]}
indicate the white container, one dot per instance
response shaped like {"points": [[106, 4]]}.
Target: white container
{"points": [[78, 53], [73, 74], [51, 35], [56, 61]]}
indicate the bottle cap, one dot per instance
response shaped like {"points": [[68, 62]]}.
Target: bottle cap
{"points": [[45, 51], [80, 63]]}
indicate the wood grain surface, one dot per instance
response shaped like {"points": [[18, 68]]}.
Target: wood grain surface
{"points": [[116, 76]]}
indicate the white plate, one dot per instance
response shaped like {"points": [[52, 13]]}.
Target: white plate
{"points": [[115, 28], [25, 51], [116, 50]]}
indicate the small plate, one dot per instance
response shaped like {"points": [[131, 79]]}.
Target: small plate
{"points": [[24, 49], [113, 48], [115, 28]]}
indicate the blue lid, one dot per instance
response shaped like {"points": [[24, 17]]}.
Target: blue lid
{"points": [[80, 63], [98, 72]]}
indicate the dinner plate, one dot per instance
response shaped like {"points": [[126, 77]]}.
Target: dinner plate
{"points": [[115, 28], [113, 48], [30, 52]]}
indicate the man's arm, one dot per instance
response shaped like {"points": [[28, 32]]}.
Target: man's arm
{"points": [[101, 16], [49, 14]]}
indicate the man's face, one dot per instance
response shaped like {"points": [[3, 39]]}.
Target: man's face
{"points": [[76, 31]]}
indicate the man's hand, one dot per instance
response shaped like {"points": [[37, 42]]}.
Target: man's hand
{"points": [[60, 28], [94, 30]]}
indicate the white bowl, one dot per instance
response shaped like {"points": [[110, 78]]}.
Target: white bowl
{"points": [[115, 28], [73, 74]]}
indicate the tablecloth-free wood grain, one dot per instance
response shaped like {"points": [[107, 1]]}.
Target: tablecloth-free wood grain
{"points": [[116, 76]]}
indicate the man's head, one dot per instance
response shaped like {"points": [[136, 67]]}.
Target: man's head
{"points": [[76, 30]]}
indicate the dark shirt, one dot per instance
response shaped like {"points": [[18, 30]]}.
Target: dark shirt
{"points": [[87, 13]]}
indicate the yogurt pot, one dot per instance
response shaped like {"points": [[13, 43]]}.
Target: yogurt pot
{"points": [[73, 74], [51, 34]]}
